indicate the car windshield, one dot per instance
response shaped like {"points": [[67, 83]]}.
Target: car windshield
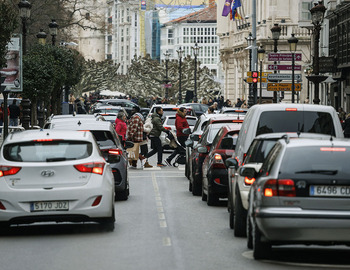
{"points": [[47, 151], [109, 110], [190, 121], [294, 121], [316, 161], [110, 118]]}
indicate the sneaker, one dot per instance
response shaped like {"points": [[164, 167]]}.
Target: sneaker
{"points": [[161, 165], [167, 162], [147, 165]]}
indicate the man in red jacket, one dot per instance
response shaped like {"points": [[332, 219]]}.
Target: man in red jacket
{"points": [[180, 124]]}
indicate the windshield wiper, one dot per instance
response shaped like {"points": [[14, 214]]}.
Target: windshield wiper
{"points": [[329, 172]]}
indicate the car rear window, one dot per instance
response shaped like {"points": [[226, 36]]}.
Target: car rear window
{"points": [[47, 151], [190, 121], [109, 110], [316, 162], [294, 121], [103, 137]]}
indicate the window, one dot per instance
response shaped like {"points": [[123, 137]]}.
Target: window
{"points": [[170, 36], [305, 11]]}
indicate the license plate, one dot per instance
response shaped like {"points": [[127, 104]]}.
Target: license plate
{"points": [[330, 191], [49, 206]]}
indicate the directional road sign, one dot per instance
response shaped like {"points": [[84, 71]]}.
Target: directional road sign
{"points": [[250, 80], [167, 85], [284, 57], [283, 67], [281, 77], [264, 74], [283, 87]]}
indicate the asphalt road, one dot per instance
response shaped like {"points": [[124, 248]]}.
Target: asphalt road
{"points": [[161, 226]]}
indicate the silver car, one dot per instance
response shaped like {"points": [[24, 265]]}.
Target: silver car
{"points": [[55, 176], [301, 195]]}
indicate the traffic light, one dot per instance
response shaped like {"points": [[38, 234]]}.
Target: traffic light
{"points": [[255, 75]]}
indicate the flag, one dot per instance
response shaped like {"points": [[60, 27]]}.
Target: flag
{"points": [[236, 4], [235, 15], [227, 8]]}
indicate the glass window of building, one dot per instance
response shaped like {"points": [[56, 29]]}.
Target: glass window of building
{"points": [[305, 10]]}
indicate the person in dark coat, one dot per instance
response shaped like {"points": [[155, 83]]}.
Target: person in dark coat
{"points": [[15, 112], [346, 126], [180, 124]]}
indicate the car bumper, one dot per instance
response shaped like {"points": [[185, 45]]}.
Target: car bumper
{"points": [[303, 226], [18, 202], [119, 174], [218, 182]]}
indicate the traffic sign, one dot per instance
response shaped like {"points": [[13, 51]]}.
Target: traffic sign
{"points": [[284, 57], [264, 74], [167, 85], [283, 67], [250, 80], [281, 77], [283, 87]]}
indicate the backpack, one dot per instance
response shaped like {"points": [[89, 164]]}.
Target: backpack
{"points": [[148, 126]]}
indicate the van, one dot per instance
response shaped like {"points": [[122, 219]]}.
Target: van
{"points": [[273, 118]]}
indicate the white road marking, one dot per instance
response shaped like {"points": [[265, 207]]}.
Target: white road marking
{"points": [[166, 241], [163, 224]]}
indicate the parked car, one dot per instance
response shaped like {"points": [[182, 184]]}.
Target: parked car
{"points": [[109, 109], [240, 112], [197, 157], [300, 196], [144, 112], [214, 171], [111, 148], [198, 108], [195, 172], [71, 117], [170, 110], [169, 124], [55, 176], [126, 104]]}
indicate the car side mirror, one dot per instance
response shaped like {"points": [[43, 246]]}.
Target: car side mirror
{"points": [[202, 150], [189, 143], [186, 131], [231, 162], [248, 172], [129, 144]]}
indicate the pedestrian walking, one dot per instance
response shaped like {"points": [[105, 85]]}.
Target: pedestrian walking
{"points": [[120, 126], [15, 112], [134, 133], [210, 110], [180, 124], [154, 135], [239, 103], [244, 105], [2, 114]]}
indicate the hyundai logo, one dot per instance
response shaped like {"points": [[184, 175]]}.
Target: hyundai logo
{"points": [[47, 173]]}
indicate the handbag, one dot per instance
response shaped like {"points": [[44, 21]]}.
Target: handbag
{"points": [[133, 152]]}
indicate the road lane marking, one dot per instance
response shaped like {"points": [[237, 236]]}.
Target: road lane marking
{"points": [[166, 241], [163, 224]]}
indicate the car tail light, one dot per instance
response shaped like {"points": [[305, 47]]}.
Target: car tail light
{"points": [[97, 201], [9, 170], [280, 187], [333, 149], [237, 121], [91, 167], [218, 162], [217, 180], [248, 181], [291, 109], [116, 152], [46, 140], [168, 128]]}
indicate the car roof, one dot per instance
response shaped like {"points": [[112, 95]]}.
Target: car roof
{"points": [[223, 109], [298, 106], [82, 125], [60, 116], [303, 142], [291, 135], [110, 107], [174, 116], [44, 134]]}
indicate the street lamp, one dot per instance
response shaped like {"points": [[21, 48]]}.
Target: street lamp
{"points": [[53, 30], [24, 13], [317, 14], [276, 33], [166, 81], [180, 53], [250, 41], [293, 47], [195, 52], [41, 37], [261, 55]]}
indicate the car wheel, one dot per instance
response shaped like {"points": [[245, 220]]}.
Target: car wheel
{"points": [[240, 217], [249, 234], [196, 186], [261, 250], [212, 198], [108, 224], [204, 196], [122, 195]]}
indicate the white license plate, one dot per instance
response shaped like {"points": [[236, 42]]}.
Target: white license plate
{"points": [[49, 206], [330, 191]]}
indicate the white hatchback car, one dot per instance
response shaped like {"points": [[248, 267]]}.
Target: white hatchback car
{"points": [[55, 176]]}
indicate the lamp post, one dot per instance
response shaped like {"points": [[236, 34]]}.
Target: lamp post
{"points": [[250, 41], [24, 13], [41, 37], [195, 52], [293, 47], [261, 55], [166, 80], [180, 53], [276, 33], [317, 14], [53, 30]]}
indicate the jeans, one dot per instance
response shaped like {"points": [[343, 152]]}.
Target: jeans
{"points": [[156, 145], [181, 140], [13, 122]]}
